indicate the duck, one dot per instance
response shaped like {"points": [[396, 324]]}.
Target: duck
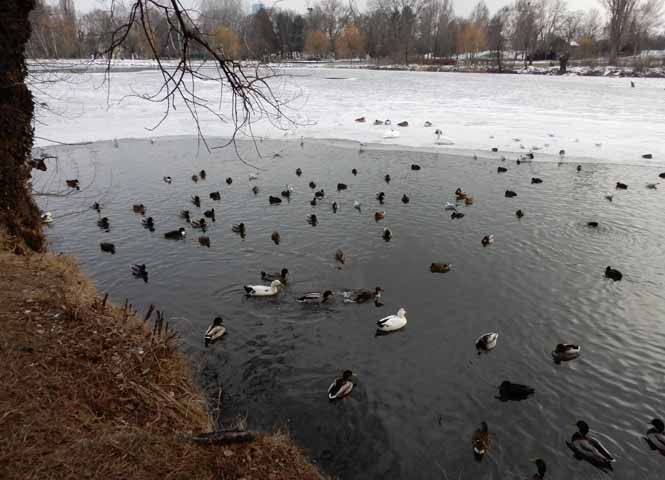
{"points": [[392, 323], [286, 193], [312, 219], [655, 436], [510, 194], [315, 297], [450, 206], [202, 174], [195, 178], [73, 184], [613, 273], [298, 171], [96, 207], [481, 441], [530, 156], [274, 200], [588, 447], [428, 124], [312, 202], [320, 194], [185, 214], [140, 270], [204, 241], [592, 224], [403, 124], [380, 197], [229, 180], [354, 172], [579, 168], [139, 208], [282, 276], [200, 223], [341, 387], [440, 267], [415, 167], [536, 180], [312, 185], [495, 149], [334, 207], [239, 228], [176, 234], [148, 223], [255, 190], [621, 186], [514, 391], [456, 215], [468, 200], [341, 186], [101, 223], [609, 197], [263, 290], [275, 237], [564, 352], [362, 295], [107, 247], [215, 331], [460, 194], [360, 120], [356, 205], [215, 196], [486, 342], [379, 216], [378, 122], [405, 198], [647, 156], [167, 179], [47, 217], [652, 186], [487, 240], [210, 214], [196, 200], [253, 176], [501, 169], [542, 469], [340, 256], [387, 122], [387, 234], [661, 175], [519, 213], [387, 178]]}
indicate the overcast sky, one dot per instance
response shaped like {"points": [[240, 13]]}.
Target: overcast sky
{"points": [[462, 7]]}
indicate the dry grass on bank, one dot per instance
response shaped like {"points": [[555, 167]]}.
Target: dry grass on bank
{"points": [[89, 393]]}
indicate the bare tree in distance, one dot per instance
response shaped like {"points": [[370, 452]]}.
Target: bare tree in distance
{"points": [[620, 13]]}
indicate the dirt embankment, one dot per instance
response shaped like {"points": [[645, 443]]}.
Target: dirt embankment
{"points": [[89, 392]]}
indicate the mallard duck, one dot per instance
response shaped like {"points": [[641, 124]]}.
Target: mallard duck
{"points": [[341, 387], [312, 185], [140, 270], [380, 197], [387, 234], [613, 273], [519, 213], [274, 200], [542, 469], [487, 240], [405, 198], [320, 194], [210, 214], [334, 207], [652, 186], [468, 200], [139, 208], [215, 331], [340, 257], [47, 217], [196, 200], [392, 323], [263, 290], [148, 223], [378, 122], [102, 223], [481, 441], [588, 447], [456, 215], [215, 196], [229, 180], [239, 228], [564, 352], [514, 391], [354, 172], [96, 207], [185, 214], [486, 342], [592, 224], [403, 124], [312, 202], [342, 186], [73, 184], [655, 436], [387, 178], [107, 247], [501, 170], [536, 180], [621, 186], [450, 206], [415, 167], [440, 267], [315, 297], [356, 205], [275, 237], [360, 120], [195, 178], [281, 276], [167, 179], [510, 194], [255, 190], [176, 234], [202, 174], [379, 216], [362, 295], [312, 219], [460, 194], [204, 241], [200, 223]]}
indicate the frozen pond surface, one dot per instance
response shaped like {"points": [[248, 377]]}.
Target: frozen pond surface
{"points": [[596, 119], [422, 391]]}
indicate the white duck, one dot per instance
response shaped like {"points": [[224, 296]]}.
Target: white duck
{"points": [[486, 342], [392, 322], [341, 387], [47, 217], [263, 290], [215, 331]]}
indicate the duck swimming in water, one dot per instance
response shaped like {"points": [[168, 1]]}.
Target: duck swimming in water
{"points": [[275, 237], [176, 234], [362, 295], [510, 194], [387, 234], [312, 220], [263, 290], [140, 270], [107, 247], [481, 441], [281, 276], [405, 198], [239, 228], [486, 342], [460, 194], [514, 391], [340, 256], [312, 202], [210, 214], [379, 216], [439, 267], [149, 223], [185, 214], [73, 184], [334, 207], [501, 170], [315, 297], [387, 178], [536, 180], [609, 197], [655, 436], [621, 186], [487, 240], [456, 215], [519, 213], [354, 172], [196, 200], [47, 217], [392, 323], [104, 224], [542, 469], [565, 352], [312, 185], [341, 186], [589, 448], [274, 200], [592, 224], [415, 167], [229, 181], [215, 196], [214, 331], [341, 387], [380, 197], [167, 179], [139, 208], [320, 194], [200, 223], [298, 171], [613, 273], [204, 241], [652, 186], [356, 205], [255, 190]]}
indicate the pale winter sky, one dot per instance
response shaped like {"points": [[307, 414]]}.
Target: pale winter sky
{"points": [[462, 7]]}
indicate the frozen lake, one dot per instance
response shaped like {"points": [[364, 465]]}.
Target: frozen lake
{"points": [[593, 119]]}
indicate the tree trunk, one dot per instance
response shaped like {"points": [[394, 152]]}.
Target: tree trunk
{"points": [[19, 214]]}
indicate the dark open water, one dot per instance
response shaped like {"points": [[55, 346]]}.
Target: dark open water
{"points": [[422, 391]]}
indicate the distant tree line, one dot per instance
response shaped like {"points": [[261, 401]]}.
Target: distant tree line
{"points": [[398, 31]]}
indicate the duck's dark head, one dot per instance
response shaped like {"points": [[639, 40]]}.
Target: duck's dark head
{"points": [[658, 424], [327, 294], [378, 290], [560, 347], [181, 230], [583, 427], [217, 321], [347, 374], [504, 384], [284, 272], [542, 467]]}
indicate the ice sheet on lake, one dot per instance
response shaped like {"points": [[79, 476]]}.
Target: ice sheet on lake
{"points": [[596, 119]]}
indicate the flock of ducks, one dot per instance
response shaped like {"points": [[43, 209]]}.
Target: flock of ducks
{"points": [[581, 443]]}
